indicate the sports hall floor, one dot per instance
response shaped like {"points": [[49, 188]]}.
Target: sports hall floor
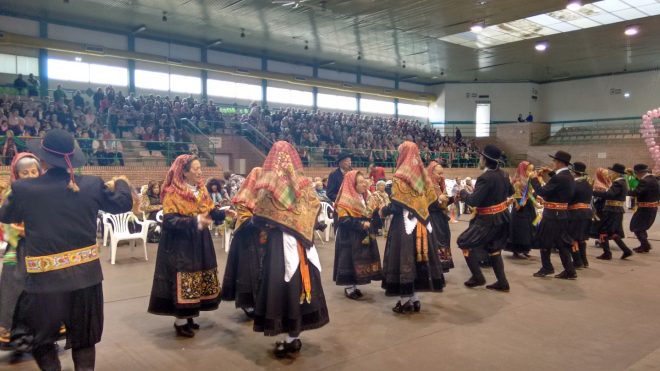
{"points": [[606, 320]]}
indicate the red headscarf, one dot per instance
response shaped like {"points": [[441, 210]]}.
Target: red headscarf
{"points": [[521, 172], [602, 180], [247, 194], [410, 168], [13, 176], [438, 181], [348, 197], [282, 174], [175, 182]]}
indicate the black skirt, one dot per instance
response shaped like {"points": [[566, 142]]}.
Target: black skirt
{"points": [[357, 259], [553, 233], [611, 224], [279, 309], [241, 279], [441, 237], [643, 219], [403, 275], [580, 224], [521, 229], [186, 274], [12, 284]]}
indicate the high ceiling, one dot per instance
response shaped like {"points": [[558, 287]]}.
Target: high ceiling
{"points": [[384, 33]]}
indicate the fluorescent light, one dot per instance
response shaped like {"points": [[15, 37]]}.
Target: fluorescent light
{"points": [[214, 43], [78, 59], [140, 29], [631, 31], [574, 5], [477, 27], [626, 95], [541, 46]]}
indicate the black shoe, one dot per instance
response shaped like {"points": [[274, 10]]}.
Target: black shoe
{"points": [[405, 308], [640, 250], [605, 256], [566, 275], [282, 348], [499, 286], [544, 272], [249, 312], [192, 324], [626, 254], [527, 255], [417, 306], [184, 331], [579, 266], [353, 295], [358, 292], [474, 282]]}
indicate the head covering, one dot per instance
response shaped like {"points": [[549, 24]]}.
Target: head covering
{"points": [[602, 180], [343, 155], [491, 152], [377, 173], [410, 168], [247, 194], [13, 176], [59, 149], [641, 168], [284, 196], [562, 156], [579, 168], [521, 172], [618, 168], [178, 197], [437, 181], [412, 188], [348, 198]]}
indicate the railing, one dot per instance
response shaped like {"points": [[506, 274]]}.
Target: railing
{"points": [[590, 130], [123, 152], [205, 146], [256, 137]]}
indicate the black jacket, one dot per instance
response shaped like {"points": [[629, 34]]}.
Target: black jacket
{"points": [[492, 188], [617, 192], [647, 190], [334, 183], [559, 189], [59, 220], [583, 194]]}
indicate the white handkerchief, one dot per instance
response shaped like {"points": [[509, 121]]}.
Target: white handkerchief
{"points": [[408, 223]]}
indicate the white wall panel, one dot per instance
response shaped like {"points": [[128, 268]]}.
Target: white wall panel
{"points": [[88, 37], [152, 47], [19, 25], [377, 81], [413, 87], [337, 76], [233, 60], [292, 69], [184, 52]]}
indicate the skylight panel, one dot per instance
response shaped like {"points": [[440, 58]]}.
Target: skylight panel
{"points": [[651, 9], [631, 13], [606, 18], [584, 23], [611, 5], [638, 3]]}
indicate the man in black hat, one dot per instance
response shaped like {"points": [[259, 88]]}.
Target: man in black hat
{"points": [[489, 229], [580, 214], [611, 224], [647, 206], [63, 286], [553, 229], [337, 177]]}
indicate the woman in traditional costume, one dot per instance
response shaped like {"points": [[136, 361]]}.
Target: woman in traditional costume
{"points": [[186, 275], [241, 280], [602, 182], [377, 200], [13, 335], [441, 236], [523, 214], [290, 298], [357, 260], [408, 267]]}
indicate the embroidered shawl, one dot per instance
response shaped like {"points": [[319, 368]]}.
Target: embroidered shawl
{"points": [[177, 195], [602, 181], [349, 201], [411, 187], [246, 197]]}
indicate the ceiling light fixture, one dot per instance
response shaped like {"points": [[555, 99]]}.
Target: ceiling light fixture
{"points": [[78, 59], [214, 43], [477, 27], [574, 5], [631, 30], [164, 16], [541, 46], [140, 29], [626, 95], [242, 32]]}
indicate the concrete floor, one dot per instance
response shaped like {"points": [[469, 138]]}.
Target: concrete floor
{"points": [[606, 320]]}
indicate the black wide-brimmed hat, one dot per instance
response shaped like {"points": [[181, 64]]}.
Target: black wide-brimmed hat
{"points": [[562, 156], [343, 155], [641, 168], [618, 168], [491, 152], [59, 149], [579, 168]]}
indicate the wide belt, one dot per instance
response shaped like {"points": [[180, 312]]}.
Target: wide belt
{"points": [[490, 210], [578, 206], [648, 204], [614, 203], [555, 205], [67, 259]]}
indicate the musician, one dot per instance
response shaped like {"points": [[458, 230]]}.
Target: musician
{"points": [[580, 214], [553, 229], [647, 206], [611, 226], [337, 177]]}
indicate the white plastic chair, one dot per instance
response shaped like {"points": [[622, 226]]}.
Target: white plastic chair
{"points": [[120, 232], [159, 216], [107, 228], [326, 210], [227, 236]]}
